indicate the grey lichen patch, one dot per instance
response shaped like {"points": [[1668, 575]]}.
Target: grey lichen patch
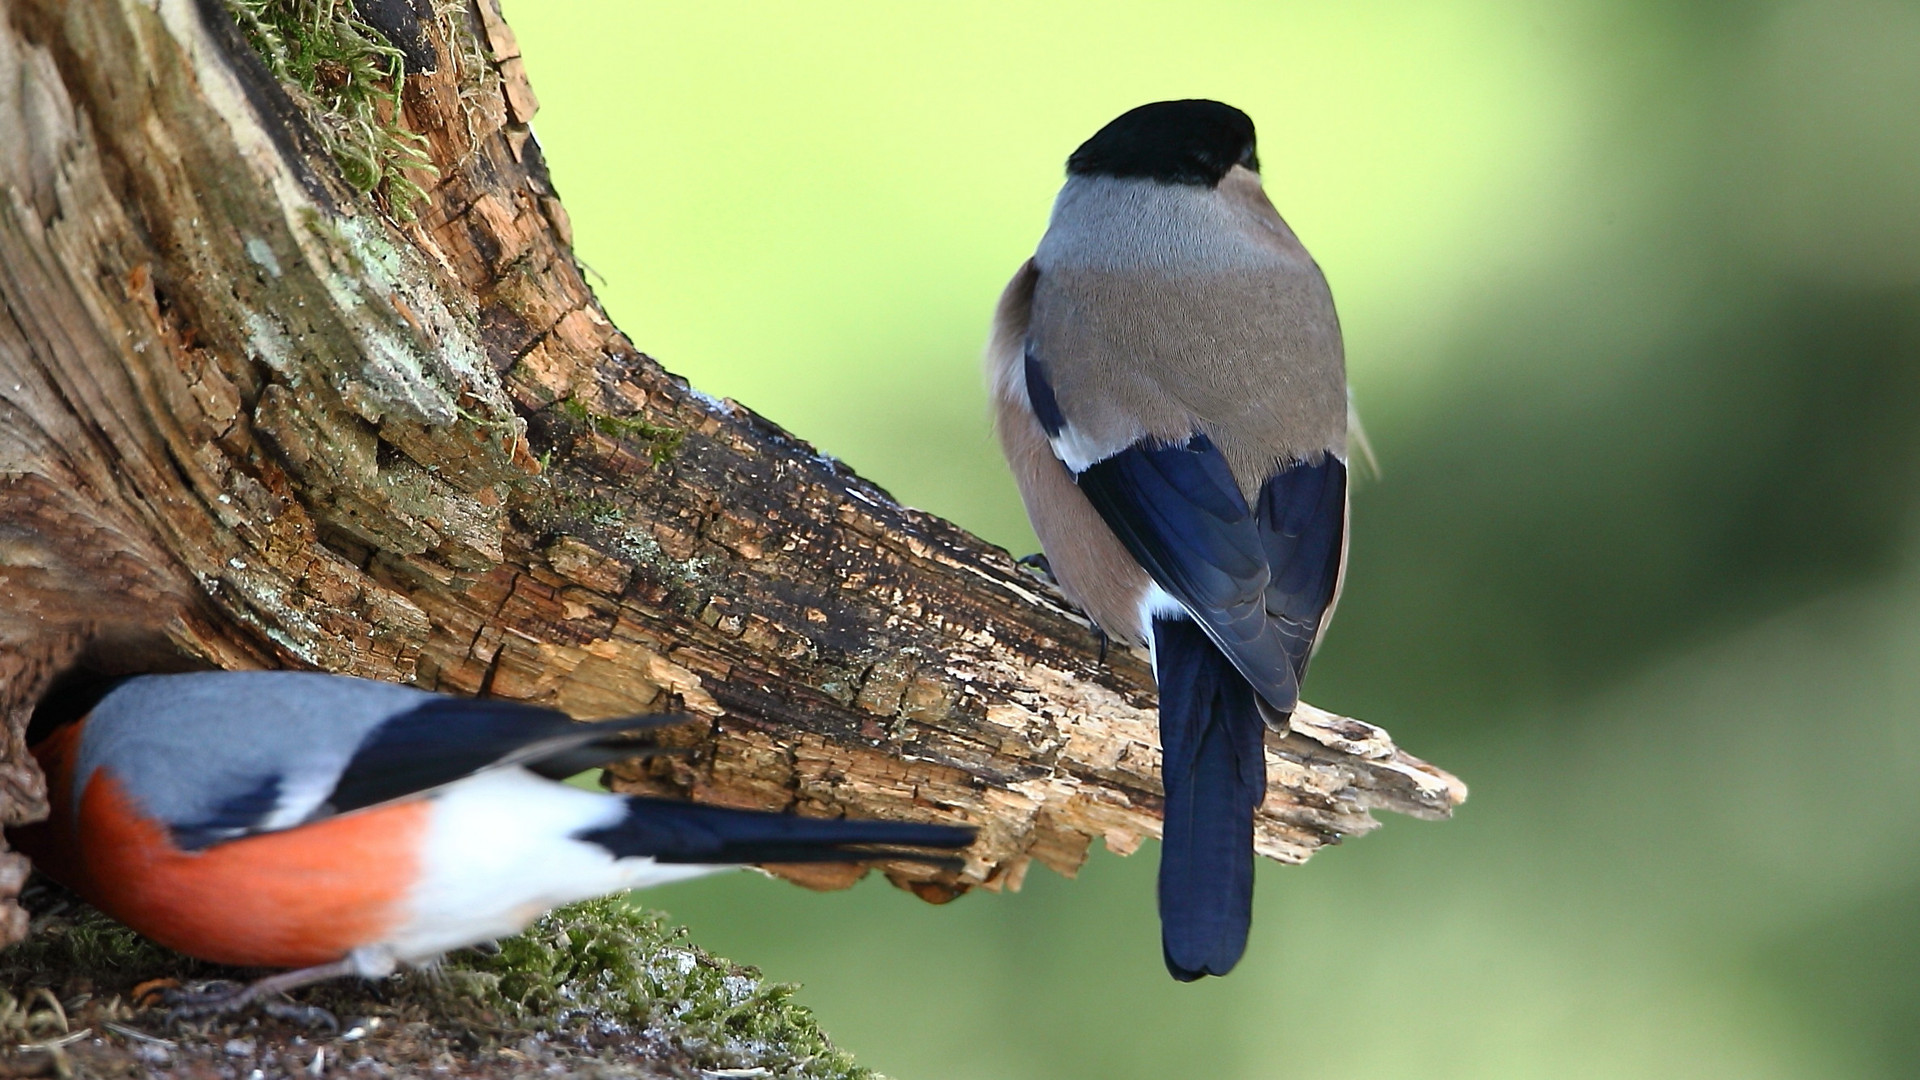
{"points": [[886, 681], [558, 507], [346, 77], [596, 986], [338, 455], [600, 513], [635, 545], [400, 357], [416, 353], [268, 343], [262, 254], [363, 636], [470, 530]]}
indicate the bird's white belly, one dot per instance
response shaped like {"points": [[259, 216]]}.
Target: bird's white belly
{"points": [[499, 853]]}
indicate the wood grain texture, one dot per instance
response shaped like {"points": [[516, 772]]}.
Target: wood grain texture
{"points": [[248, 419]]}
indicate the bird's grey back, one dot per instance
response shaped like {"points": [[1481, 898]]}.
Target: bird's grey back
{"points": [[186, 745], [1165, 308]]}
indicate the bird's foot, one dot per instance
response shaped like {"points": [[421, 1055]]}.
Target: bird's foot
{"points": [[220, 997], [199, 1001], [1038, 564]]}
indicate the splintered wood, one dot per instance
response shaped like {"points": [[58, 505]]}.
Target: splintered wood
{"points": [[249, 419]]}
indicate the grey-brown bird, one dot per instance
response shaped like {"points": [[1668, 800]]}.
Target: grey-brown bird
{"points": [[1170, 391]]}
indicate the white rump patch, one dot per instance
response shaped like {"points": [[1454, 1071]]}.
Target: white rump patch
{"points": [[1158, 603]]}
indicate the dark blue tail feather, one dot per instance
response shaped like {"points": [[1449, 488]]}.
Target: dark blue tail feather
{"points": [[683, 832], [1214, 769]]}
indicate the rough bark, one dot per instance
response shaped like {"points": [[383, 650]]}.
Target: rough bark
{"points": [[249, 418]]}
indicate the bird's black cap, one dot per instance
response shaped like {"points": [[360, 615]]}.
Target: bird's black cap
{"points": [[1174, 142]]}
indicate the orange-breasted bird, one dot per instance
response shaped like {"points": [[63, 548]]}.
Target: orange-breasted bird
{"points": [[340, 826]]}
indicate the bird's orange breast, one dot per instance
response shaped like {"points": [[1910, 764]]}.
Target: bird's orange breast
{"points": [[303, 896]]}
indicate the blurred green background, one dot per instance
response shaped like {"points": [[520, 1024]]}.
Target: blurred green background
{"points": [[1632, 301]]}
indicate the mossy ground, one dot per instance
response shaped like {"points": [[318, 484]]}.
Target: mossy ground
{"points": [[598, 989]]}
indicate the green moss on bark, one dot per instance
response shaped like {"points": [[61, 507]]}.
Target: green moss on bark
{"points": [[661, 442], [347, 77]]}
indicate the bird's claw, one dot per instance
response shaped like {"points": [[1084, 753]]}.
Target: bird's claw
{"points": [[311, 1017], [1037, 562]]}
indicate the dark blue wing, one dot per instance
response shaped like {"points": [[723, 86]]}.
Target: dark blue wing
{"points": [[233, 817], [446, 739], [1046, 408], [1302, 518], [1258, 579]]}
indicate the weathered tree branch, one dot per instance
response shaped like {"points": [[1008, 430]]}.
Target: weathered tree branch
{"points": [[249, 418]]}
